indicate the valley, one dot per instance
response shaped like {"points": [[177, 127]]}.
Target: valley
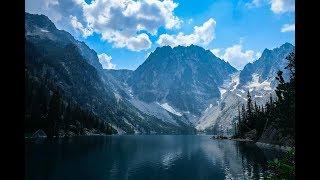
{"points": [[180, 90]]}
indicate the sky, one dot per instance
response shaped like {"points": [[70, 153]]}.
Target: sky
{"points": [[125, 32]]}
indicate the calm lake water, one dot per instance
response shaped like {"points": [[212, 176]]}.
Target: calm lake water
{"points": [[154, 157]]}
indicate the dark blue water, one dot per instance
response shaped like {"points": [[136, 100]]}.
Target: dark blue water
{"points": [[154, 157]]}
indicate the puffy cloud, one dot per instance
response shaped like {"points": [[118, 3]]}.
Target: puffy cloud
{"points": [[105, 61], [47, 7], [51, 2], [216, 52], [120, 21], [201, 35], [288, 28], [276, 6], [117, 21], [282, 6], [236, 56], [77, 25], [258, 55]]}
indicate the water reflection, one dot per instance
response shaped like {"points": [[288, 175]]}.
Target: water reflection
{"points": [[144, 157]]}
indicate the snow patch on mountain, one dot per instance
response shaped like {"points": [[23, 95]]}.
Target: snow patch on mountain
{"points": [[210, 106], [256, 85], [234, 81], [154, 109], [222, 91], [242, 97], [43, 30], [167, 107], [117, 96]]}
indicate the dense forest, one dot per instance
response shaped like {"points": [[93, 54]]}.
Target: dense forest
{"points": [[278, 114], [46, 109]]}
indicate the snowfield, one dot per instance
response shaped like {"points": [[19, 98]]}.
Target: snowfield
{"points": [[167, 107]]}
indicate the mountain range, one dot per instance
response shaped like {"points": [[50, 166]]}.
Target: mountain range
{"points": [[174, 91]]}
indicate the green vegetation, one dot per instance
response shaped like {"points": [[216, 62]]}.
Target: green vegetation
{"points": [[56, 115], [277, 114], [283, 168]]}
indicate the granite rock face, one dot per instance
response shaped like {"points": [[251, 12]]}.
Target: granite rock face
{"points": [[187, 78]]}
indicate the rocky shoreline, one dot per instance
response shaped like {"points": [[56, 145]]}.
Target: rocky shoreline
{"points": [[273, 146], [259, 144], [86, 132]]}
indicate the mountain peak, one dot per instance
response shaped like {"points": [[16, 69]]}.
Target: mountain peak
{"points": [[39, 20], [268, 64], [285, 45]]}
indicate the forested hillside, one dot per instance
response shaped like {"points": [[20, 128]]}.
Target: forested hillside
{"points": [[273, 122]]}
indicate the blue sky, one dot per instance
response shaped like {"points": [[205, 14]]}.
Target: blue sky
{"points": [[124, 32]]}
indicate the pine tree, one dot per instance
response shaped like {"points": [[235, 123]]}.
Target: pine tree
{"points": [[54, 113]]}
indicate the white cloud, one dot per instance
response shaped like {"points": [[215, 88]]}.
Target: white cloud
{"points": [[288, 28], [282, 6], [236, 56], [276, 6], [105, 61], [120, 21], [201, 35], [123, 23], [78, 26], [258, 55], [189, 21], [216, 52], [50, 2], [254, 3], [47, 7]]}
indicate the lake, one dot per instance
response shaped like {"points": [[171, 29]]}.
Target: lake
{"points": [[154, 157]]}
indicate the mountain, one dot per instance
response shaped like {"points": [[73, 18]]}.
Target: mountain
{"points": [[176, 90], [183, 79], [258, 78], [121, 75], [73, 69], [267, 66], [39, 28]]}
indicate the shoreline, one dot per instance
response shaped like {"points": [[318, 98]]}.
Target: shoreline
{"points": [[273, 146], [45, 137], [259, 144]]}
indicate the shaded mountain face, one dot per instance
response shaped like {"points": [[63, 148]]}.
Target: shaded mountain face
{"points": [[121, 75], [39, 28], [73, 68], [267, 66], [187, 78]]}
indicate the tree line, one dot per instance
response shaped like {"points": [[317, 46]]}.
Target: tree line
{"points": [[278, 113], [56, 115]]}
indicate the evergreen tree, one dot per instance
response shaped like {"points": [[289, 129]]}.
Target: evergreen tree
{"points": [[277, 113], [54, 113]]}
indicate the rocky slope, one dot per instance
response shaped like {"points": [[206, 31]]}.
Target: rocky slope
{"points": [[258, 78], [176, 90], [182, 78], [74, 69]]}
